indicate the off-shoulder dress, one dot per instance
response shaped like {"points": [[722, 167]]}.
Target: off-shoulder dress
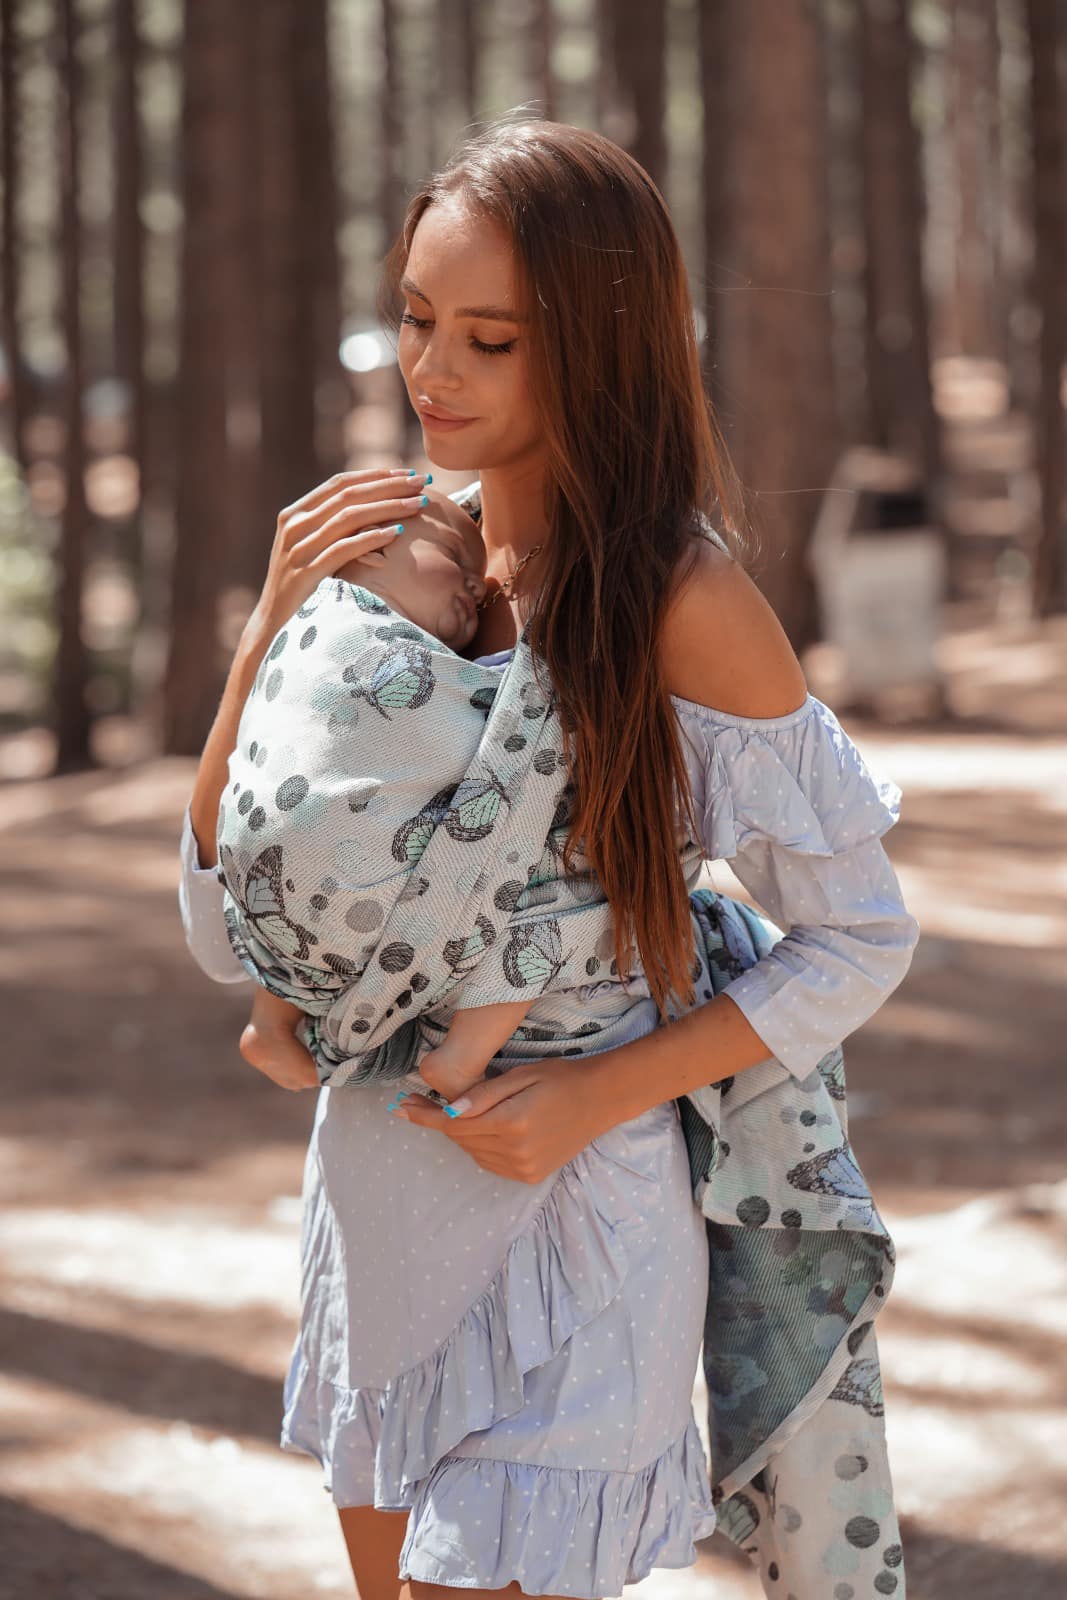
{"points": [[513, 1364]]}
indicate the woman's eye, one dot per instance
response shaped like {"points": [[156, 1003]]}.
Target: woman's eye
{"points": [[494, 349], [477, 344]]}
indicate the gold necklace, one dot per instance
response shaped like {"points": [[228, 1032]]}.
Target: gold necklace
{"points": [[505, 587]]}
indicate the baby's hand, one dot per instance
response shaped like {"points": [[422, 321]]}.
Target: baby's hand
{"points": [[269, 1043], [449, 1071]]}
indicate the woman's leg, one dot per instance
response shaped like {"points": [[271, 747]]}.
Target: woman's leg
{"points": [[373, 1539], [444, 1591]]}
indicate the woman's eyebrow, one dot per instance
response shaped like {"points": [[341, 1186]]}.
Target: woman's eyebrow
{"points": [[483, 313]]}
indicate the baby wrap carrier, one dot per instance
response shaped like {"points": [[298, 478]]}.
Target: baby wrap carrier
{"points": [[391, 845]]}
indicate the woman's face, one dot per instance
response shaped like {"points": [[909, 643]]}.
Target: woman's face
{"points": [[470, 366]]}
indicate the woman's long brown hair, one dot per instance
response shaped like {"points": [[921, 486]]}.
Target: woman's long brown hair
{"points": [[635, 460]]}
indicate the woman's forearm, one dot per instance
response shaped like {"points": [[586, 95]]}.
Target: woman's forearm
{"points": [[212, 772], [711, 1042]]}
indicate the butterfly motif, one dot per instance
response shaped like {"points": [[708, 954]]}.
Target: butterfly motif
{"points": [[475, 808], [861, 1385], [738, 1519], [832, 1072], [463, 955], [283, 946], [402, 680], [534, 954], [412, 837], [833, 1172]]}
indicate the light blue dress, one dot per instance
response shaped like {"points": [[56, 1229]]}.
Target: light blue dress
{"points": [[513, 1364]]}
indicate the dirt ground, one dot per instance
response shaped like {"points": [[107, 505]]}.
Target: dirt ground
{"points": [[150, 1183]]}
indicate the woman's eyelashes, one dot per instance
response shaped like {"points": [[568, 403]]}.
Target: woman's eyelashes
{"points": [[478, 344]]}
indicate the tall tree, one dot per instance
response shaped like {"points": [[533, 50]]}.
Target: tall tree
{"points": [[1047, 24], [211, 230], [713, 44], [289, 347], [778, 407], [128, 297], [71, 666], [10, 259], [901, 409], [639, 45], [972, 104], [542, 36]]}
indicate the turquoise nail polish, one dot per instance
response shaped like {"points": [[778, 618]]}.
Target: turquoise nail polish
{"points": [[400, 527], [411, 472], [392, 1105], [429, 477], [425, 500], [450, 1113]]}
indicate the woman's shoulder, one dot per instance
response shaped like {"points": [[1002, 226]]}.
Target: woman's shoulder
{"points": [[722, 645]]}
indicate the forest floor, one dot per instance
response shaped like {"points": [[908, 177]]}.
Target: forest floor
{"points": [[150, 1181]]}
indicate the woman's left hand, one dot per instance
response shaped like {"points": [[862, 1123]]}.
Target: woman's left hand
{"points": [[524, 1124]]}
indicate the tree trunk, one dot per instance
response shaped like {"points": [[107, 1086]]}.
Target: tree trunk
{"points": [[973, 42], [713, 43], [288, 346], [318, 193], [1047, 23], [71, 666], [901, 405], [10, 259], [639, 36], [542, 33], [194, 670], [776, 342]]}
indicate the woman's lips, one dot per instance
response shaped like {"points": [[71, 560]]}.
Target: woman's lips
{"points": [[444, 424]]}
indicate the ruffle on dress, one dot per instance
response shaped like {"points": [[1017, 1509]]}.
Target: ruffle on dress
{"points": [[566, 1266], [797, 781], [559, 1530]]}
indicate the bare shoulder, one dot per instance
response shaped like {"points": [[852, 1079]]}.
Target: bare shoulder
{"points": [[723, 646]]}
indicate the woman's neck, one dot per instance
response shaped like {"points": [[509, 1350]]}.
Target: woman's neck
{"points": [[513, 518]]}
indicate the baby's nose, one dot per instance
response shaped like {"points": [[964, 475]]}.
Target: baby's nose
{"points": [[476, 585]]}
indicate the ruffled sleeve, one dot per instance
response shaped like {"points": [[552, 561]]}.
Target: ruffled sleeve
{"points": [[791, 804], [200, 902]]}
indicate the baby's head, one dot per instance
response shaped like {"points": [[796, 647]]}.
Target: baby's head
{"points": [[433, 573]]}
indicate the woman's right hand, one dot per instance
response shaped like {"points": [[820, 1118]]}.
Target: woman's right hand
{"points": [[344, 518]]}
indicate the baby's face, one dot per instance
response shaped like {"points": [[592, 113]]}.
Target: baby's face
{"points": [[434, 573]]}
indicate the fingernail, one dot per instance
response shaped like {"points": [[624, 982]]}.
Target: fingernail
{"points": [[402, 1115], [429, 477], [425, 500], [400, 527], [457, 1106], [412, 473]]}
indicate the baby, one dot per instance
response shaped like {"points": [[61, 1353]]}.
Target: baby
{"points": [[434, 575]]}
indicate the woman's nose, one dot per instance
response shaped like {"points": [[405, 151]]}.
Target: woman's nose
{"points": [[433, 366]]}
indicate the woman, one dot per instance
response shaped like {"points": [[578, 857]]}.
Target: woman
{"points": [[502, 1310]]}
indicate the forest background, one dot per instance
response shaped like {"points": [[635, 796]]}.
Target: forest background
{"points": [[872, 201]]}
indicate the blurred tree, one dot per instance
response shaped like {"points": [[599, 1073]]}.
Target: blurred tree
{"points": [[289, 239], [542, 35], [972, 110], [713, 43], [1047, 23], [211, 230], [459, 33], [10, 254], [900, 402], [634, 35], [777, 385], [128, 240], [71, 662]]}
